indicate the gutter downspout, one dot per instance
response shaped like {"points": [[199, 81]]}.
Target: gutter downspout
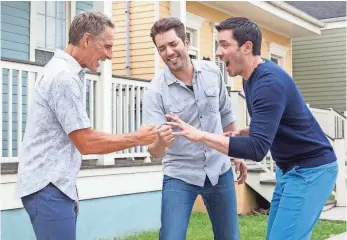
{"points": [[127, 39], [298, 13]]}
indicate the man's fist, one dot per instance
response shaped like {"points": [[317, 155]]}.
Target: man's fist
{"points": [[147, 134], [165, 135]]}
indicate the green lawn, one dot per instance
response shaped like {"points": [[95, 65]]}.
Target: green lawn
{"points": [[200, 229]]}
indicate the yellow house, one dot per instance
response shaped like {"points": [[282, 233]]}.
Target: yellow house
{"points": [[114, 187], [134, 54]]}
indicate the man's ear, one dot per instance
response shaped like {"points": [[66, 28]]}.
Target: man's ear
{"points": [[86, 39], [248, 47]]}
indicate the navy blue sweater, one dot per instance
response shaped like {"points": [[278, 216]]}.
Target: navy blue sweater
{"points": [[280, 122]]}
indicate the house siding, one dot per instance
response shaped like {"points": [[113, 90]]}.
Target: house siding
{"points": [[15, 30], [319, 68], [15, 44], [141, 19]]}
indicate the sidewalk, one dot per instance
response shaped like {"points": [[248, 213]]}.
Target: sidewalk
{"points": [[342, 236], [335, 214]]}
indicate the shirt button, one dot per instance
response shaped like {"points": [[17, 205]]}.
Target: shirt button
{"points": [[200, 116], [197, 100]]}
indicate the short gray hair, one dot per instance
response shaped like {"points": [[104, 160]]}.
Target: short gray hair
{"points": [[91, 22]]}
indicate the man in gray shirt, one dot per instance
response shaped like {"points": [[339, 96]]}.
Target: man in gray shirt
{"points": [[58, 130], [195, 91]]}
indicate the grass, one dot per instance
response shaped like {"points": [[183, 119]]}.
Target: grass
{"points": [[251, 227]]}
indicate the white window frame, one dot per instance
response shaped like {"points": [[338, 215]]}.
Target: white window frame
{"points": [[279, 52], [193, 25], [70, 8], [193, 43], [67, 24]]}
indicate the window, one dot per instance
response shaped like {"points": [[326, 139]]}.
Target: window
{"points": [[51, 29], [278, 54], [192, 36], [193, 23], [274, 59]]}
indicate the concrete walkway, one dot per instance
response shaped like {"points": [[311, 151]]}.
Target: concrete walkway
{"points": [[342, 236], [335, 214]]}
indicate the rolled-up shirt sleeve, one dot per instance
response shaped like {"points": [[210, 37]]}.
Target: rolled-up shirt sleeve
{"points": [[67, 103]]}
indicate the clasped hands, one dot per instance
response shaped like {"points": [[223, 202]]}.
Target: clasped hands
{"points": [[196, 135]]}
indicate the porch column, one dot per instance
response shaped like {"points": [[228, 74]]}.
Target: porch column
{"points": [[178, 9], [104, 91]]}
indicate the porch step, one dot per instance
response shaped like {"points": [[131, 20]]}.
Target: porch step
{"points": [[329, 205], [270, 181]]}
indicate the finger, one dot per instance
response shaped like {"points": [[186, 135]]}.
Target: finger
{"points": [[178, 133], [237, 167], [174, 124], [164, 127], [173, 117]]}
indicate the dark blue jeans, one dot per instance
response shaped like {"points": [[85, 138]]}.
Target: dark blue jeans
{"points": [[178, 198], [52, 214]]}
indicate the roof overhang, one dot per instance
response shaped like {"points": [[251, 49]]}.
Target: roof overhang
{"points": [[279, 17], [332, 23]]}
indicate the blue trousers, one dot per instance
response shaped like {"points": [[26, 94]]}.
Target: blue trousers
{"points": [[52, 214], [178, 198], [298, 201]]}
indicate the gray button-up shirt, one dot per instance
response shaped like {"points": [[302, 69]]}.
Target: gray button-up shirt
{"points": [[207, 108], [57, 108]]}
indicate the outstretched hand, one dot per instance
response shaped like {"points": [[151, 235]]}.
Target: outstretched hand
{"points": [[186, 130]]}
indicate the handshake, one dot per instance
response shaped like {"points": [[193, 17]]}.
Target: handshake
{"points": [[150, 133]]}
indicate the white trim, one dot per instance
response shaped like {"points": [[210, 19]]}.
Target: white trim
{"points": [[178, 9], [291, 57], [97, 183], [294, 12], [280, 13], [279, 52], [281, 10], [337, 23], [196, 48], [194, 21], [232, 14], [73, 10], [68, 22], [156, 54], [32, 43]]}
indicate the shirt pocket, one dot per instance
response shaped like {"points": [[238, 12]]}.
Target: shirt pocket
{"points": [[212, 99]]}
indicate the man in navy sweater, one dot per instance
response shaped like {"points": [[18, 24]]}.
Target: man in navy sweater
{"points": [[280, 122]]}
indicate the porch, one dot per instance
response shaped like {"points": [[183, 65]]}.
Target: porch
{"points": [[114, 105]]}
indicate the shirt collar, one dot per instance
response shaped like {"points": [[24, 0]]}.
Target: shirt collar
{"points": [[170, 77], [73, 64]]}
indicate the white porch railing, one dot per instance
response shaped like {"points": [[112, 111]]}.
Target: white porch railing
{"points": [[127, 112], [332, 123], [17, 81]]}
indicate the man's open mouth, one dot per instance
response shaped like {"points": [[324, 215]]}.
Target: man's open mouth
{"points": [[226, 63]]}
